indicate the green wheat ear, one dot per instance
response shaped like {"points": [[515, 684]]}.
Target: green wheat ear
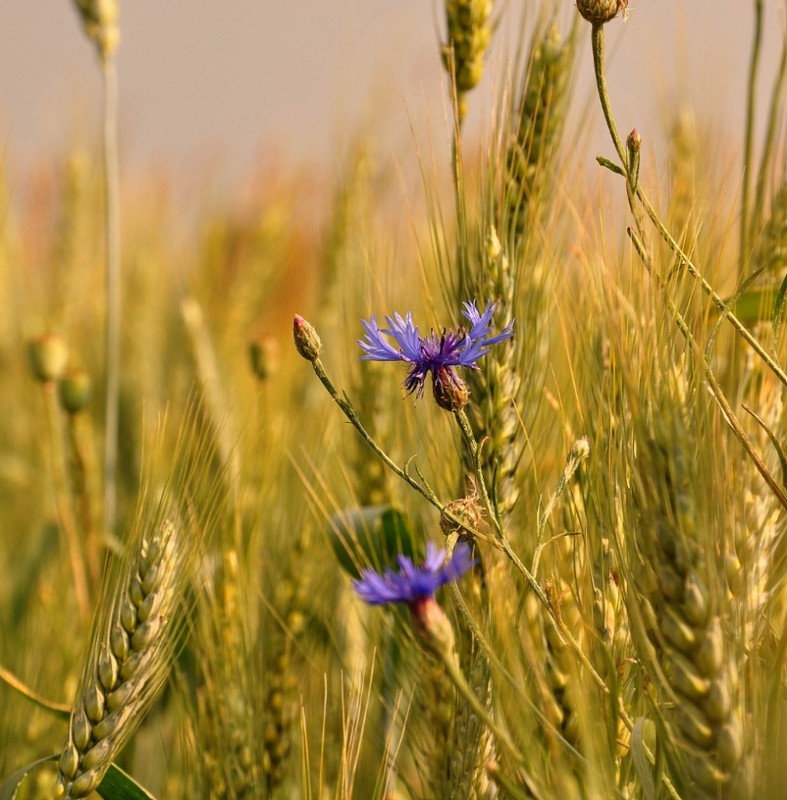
{"points": [[100, 21], [133, 642], [469, 34], [536, 130], [677, 586]]}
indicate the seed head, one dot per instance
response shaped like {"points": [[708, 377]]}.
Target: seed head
{"points": [[462, 516], [600, 11]]}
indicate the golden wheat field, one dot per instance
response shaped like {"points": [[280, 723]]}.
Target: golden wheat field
{"points": [[460, 474]]}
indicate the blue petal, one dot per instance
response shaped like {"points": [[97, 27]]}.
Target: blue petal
{"points": [[375, 346]]}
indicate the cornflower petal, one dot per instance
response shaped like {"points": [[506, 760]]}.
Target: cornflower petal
{"points": [[375, 347]]}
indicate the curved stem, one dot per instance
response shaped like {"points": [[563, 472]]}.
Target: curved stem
{"points": [[716, 390], [597, 42], [349, 411]]}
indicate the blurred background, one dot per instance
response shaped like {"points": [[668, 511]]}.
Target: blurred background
{"points": [[215, 87]]}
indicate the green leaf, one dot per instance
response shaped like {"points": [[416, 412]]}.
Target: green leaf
{"points": [[610, 165], [117, 785], [11, 784], [370, 536]]}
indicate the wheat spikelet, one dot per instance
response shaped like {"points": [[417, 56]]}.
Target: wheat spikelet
{"points": [[371, 477], [132, 646], [537, 130], [675, 579], [99, 19], [469, 33], [495, 387], [291, 600], [683, 164], [753, 559], [226, 702]]}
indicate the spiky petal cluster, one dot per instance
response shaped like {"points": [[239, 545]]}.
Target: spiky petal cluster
{"points": [[436, 354]]}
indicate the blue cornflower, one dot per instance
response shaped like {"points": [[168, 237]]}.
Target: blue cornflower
{"points": [[411, 584], [435, 354]]}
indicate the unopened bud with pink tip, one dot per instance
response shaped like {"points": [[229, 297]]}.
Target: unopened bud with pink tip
{"points": [[307, 340]]}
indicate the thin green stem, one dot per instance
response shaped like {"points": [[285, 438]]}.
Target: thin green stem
{"points": [[716, 390], [740, 328], [597, 43], [63, 504], [113, 293], [348, 410], [598, 62], [748, 150]]}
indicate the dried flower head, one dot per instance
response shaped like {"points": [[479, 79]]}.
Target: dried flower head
{"points": [[600, 11], [435, 354]]}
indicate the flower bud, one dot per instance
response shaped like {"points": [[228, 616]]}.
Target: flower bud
{"points": [[74, 391], [633, 145], [600, 11], [432, 626], [48, 357], [307, 341]]}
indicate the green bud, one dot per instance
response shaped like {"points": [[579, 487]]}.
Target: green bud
{"points": [[264, 358], [74, 391]]}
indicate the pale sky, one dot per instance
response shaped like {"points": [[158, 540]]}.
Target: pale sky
{"points": [[221, 79]]}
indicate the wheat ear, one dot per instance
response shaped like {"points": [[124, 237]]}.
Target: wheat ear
{"points": [[133, 643]]}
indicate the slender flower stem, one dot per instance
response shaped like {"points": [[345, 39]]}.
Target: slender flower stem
{"points": [[563, 633], [63, 504], [597, 42], [716, 390], [598, 62], [748, 151], [347, 408], [113, 292]]}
